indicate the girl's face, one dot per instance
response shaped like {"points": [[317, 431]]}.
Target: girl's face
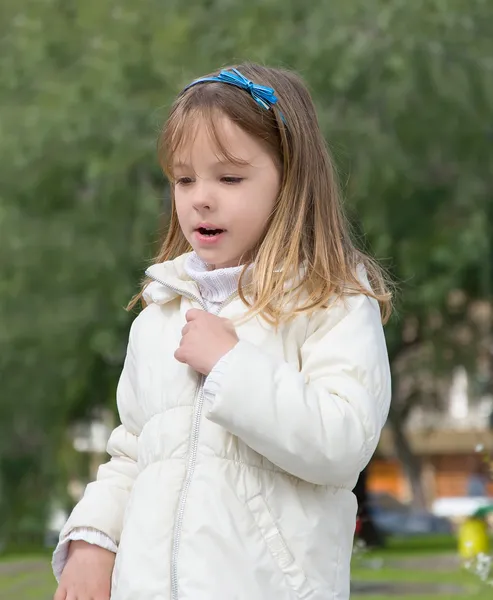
{"points": [[223, 208]]}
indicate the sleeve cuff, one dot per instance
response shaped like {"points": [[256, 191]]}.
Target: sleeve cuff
{"points": [[212, 384], [85, 534]]}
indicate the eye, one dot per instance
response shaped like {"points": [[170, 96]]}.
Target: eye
{"points": [[184, 181], [231, 180]]}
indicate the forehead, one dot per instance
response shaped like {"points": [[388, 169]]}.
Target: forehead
{"points": [[214, 137]]}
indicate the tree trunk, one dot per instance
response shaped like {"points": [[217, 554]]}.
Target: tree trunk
{"points": [[411, 463]]}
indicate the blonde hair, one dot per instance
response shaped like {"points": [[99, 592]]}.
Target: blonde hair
{"points": [[307, 232]]}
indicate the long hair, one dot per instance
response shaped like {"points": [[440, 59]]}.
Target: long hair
{"points": [[307, 233]]}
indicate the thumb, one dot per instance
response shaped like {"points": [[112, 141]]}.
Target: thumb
{"points": [[193, 314]]}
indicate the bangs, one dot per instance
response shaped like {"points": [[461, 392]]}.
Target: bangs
{"points": [[181, 130]]}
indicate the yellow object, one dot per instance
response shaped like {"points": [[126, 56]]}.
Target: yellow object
{"points": [[473, 538]]}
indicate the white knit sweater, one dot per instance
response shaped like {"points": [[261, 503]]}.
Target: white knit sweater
{"points": [[215, 287]]}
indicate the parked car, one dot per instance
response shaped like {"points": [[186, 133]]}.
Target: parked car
{"points": [[459, 508], [393, 517]]}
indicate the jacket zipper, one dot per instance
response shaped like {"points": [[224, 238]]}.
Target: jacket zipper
{"points": [[193, 448]]}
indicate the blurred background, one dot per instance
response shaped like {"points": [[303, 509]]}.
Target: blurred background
{"points": [[404, 92]]}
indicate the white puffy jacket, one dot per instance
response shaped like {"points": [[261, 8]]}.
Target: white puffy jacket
{"points": [[247, 497]]}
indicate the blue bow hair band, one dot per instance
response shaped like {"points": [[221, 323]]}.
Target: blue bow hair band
{"points": [[263, 95]]}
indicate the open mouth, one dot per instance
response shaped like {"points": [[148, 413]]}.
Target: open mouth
{"points": [[209, 232]]}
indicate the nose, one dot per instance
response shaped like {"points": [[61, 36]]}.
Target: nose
{"points": [[203, 198]]}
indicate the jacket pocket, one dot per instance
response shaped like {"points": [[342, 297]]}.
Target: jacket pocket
{"points": [[277, 546]]}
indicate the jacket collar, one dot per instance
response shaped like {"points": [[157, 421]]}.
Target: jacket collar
{"points": [[170, 280]]}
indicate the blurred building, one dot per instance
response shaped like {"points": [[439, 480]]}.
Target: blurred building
{"points": [[450, 443]]}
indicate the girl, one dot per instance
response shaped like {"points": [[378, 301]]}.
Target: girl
{"points": [[256, 381]]}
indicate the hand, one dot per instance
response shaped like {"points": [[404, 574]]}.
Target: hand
{"points": [[205, 340], [87, 574]]}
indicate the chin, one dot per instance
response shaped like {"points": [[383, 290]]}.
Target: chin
{"points": [[216, 259]]}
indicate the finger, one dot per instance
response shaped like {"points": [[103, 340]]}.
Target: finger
{"points": [[193, 314], [60, 594], [179, 355]]}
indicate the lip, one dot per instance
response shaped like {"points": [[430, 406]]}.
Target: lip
{"points": [[208, 226], [208, 240]]}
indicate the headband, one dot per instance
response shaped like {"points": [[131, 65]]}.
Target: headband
{"points": [[263, 95]]}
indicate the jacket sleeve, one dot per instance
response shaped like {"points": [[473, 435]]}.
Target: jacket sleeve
{"points": [[321, 421], [104, 501]]}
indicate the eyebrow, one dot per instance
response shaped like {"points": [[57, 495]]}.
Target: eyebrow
{"points": [[224, 163]]}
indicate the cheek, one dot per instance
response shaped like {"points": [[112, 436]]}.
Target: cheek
{"points": [[254, 224], [183, 214], [263, 207], [180, 207], [254, 209]]}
